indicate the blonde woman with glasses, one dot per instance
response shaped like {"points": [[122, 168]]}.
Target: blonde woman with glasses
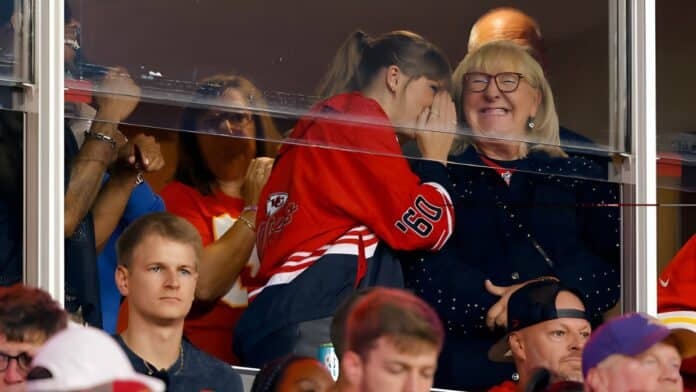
{"points": [[523, 213]]}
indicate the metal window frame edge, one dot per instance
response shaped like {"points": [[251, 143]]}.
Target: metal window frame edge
{"points": [[639, 251], [44, 258]]}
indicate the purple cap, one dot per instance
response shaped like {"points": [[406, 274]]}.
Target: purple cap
{"points": [[630, 334]]}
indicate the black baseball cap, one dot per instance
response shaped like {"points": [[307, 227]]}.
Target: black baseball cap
{"points": [[532, 304]]}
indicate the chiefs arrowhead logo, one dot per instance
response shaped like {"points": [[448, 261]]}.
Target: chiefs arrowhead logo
{"points": [[275, 202]]}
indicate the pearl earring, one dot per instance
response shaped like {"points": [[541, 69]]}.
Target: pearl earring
{"points": [[530, 123]]}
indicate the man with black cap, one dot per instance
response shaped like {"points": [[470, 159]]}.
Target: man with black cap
{"points": [[547, 328]]}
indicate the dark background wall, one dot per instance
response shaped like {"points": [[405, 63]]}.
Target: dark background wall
{"points": [[286, 45]]}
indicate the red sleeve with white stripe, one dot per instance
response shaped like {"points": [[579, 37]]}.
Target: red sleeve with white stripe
{"points": [[380, 191]]}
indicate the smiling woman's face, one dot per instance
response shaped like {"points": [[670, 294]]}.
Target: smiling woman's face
{"points": [[497, 114]]}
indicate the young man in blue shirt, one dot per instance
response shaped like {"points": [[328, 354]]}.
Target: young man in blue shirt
{"points": [[157, 270]]}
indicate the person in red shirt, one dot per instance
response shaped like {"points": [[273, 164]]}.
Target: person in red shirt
{"points": [[676, 301], [341, 197], [216, 187], [220, 173]]}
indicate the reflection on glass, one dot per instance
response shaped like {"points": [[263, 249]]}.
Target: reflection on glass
{"points": [[15, 40], [287, 69], [11, 198], [533, 190]]}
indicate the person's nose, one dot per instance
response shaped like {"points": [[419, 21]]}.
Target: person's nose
{"points": [[13, 374], [577, 342], [670, 373], [492, 91], [411, 382], [172, 280]]}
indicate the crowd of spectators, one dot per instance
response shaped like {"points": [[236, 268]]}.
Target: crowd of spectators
{"points": [[475, 267]]}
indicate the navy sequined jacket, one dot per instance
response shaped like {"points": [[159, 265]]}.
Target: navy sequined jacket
{"points": [[547, 222]]}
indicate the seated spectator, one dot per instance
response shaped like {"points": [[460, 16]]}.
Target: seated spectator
{"points": [[158, 259], [322, 233], [547, 328], [676, 300], [84, 359], [293, 373], [520, 213], [393, 339], [636, 350], [28, 317]]}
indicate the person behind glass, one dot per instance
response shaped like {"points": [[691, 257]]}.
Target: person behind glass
{"points": [[522, 214], [28, 318], [103, 178], [507, 23], [158, 258], [326, 209], [222, 168]]}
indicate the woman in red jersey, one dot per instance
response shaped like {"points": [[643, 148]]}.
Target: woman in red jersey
{"points": [[342, 197]]}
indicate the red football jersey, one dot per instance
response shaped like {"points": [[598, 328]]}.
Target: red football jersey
{"points": [[213, 215], [345, 183]]}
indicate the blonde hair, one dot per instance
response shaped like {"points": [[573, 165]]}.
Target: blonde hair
{"points": [[545, 135], [163, 224]]}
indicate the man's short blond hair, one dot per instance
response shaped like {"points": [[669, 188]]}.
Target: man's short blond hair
{"points": [[163, 224]]}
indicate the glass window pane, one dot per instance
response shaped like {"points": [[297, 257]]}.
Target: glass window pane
{"points": [[676, 153], [171, 64], [530, 194], [16, 36]]}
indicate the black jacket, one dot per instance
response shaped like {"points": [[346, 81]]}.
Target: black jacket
{"points": [[547, 222]]}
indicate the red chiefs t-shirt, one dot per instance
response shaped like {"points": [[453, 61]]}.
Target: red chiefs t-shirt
{"points": [[213, 215], [211, 329]]}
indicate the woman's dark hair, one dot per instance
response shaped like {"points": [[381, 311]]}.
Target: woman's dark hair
{"points": [[269, 376], [191, 168], [360, 58]]}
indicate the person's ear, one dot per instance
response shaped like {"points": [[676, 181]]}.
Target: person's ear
{"points": [[537, 97], [517, 346], [352, 368], [121, 277], [394, 77]]}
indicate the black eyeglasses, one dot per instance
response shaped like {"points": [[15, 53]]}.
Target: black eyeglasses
{"points": [[506, 82], [215, 119], [23, 360]]}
